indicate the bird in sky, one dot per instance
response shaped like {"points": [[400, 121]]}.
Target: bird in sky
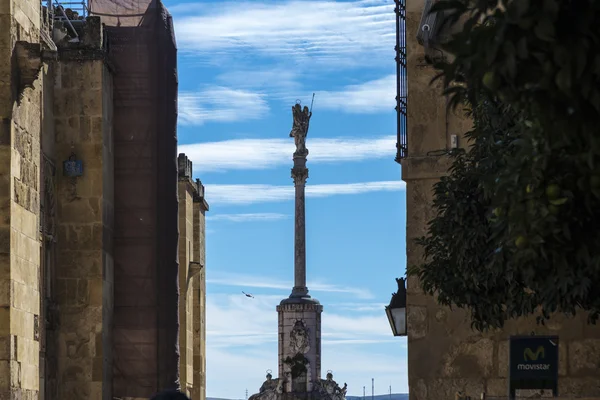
{"points": [[247, 294]]}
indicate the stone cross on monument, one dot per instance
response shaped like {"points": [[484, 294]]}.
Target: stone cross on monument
{"points": [[300, 315]]}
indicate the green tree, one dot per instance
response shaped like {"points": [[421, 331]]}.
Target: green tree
{"points": [[517, 230]]}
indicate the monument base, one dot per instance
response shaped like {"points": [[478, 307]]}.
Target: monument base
{"points": [[324, 389]]}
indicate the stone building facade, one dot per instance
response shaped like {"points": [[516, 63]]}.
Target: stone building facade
{"points": [[444, 354], [192, 281], [58, 228]]}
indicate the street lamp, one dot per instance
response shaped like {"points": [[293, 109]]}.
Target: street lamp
{"points": [[396, 311]]}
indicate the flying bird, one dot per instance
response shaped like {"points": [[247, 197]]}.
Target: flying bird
{"points": [[247, 294]]}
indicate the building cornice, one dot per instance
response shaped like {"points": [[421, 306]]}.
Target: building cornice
{"points": [[185, 174]]}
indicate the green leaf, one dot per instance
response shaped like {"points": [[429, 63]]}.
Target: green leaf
{"points": [[544, 30], [522, 52], [563, 80], [522, 7], [558, 202]]}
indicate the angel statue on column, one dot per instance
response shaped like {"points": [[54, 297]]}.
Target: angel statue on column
{"points": [[300, 127]]}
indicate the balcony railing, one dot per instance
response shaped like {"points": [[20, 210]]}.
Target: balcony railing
{"points": [[401, 81]]}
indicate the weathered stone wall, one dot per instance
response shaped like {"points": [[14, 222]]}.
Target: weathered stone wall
{"points": [[199, 296], [191, 281], [48, 350], [19, 205], [83, 120], [444, 354], [186, 239]]}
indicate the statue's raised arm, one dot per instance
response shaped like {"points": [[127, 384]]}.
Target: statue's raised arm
{"points": [[300, 127]]}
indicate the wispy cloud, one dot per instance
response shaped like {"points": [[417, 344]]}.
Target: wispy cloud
{"points": [[267, 153], [220, 104], [223, 311], [360, 307], [325, 32], [278, 81], [247, 217], [252, 281], [251, 347], [365, 98], [248, 194]]}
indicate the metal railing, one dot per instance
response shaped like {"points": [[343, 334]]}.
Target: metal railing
{"points": [[64, 10], [401, 81]]}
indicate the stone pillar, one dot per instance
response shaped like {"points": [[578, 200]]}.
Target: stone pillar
{"points": [[186, 257], [84, 265], [300, 174], [199, 294], [20, 101]]}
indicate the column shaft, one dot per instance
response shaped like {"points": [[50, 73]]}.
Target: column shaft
{"points": [[300, 240]]}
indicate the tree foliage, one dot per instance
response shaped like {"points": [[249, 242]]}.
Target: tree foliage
{"points": [[517, 230]]}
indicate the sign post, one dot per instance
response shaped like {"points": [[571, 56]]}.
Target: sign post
{"points": [[533, 364]]}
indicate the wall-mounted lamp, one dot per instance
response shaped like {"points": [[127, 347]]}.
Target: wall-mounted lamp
{"points": [[73, 167], [396, 311]]}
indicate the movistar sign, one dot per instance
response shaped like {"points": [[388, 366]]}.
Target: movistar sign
{"points": [[534, 360], [529, 358]]}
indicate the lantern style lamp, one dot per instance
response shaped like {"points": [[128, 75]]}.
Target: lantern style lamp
{"points": [[73, 167], [396, 311]]}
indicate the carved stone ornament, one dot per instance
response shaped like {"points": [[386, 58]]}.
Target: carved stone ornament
{"points": [[29, 61], [270, 389], [300, 175], [328, 388], [299, 340]]}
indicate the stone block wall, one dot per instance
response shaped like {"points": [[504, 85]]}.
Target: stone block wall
{"points": [[186, 239], [444, 354], [83, 275], [192, 208], [199, 295], [19, 202]]}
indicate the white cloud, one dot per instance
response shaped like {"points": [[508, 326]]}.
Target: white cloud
{"points": [[247, 194], [267, 153], [242, 342], [252, 281], [307, 32], [247, 217], [360, 307], [220, 104], [278, 81], [365, 98]]}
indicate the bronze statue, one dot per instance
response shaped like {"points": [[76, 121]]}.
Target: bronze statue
{"points": [[300, 127]]}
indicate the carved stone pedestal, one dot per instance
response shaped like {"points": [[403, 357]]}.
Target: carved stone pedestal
{"points": [[324, 389], [300, 356], [300, 343]]}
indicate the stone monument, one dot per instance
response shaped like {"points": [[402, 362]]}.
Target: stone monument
{"points": [[300, 314]]}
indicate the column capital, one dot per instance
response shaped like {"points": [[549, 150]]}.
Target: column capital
{"points": [[300, 175]]}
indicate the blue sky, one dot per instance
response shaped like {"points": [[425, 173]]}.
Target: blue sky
{"points": [[242, 65]]}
